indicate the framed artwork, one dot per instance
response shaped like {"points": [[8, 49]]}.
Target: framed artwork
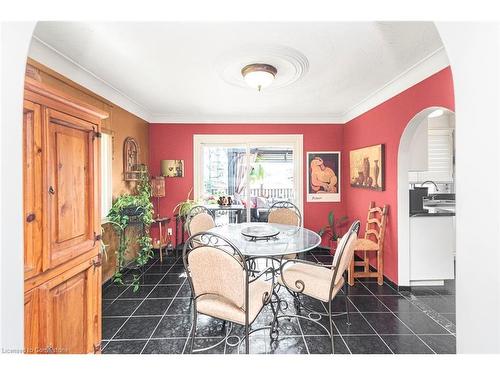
{"points": [[323, 176], [172, 168], [367, 168]]}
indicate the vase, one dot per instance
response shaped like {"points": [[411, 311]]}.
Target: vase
{"points": [[376, 171]]}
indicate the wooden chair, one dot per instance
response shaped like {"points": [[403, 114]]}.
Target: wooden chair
{"points": [[373, 241]]}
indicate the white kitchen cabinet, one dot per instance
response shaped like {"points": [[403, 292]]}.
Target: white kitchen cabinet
{"points": [[432, 240]]}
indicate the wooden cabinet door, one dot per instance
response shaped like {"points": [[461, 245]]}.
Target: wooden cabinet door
{"points": [[72, 306], [32, 319], [72, 187], [32, 186]]}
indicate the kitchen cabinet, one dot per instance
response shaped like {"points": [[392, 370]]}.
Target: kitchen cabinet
{"points": [[432, 152], [432, 240]]}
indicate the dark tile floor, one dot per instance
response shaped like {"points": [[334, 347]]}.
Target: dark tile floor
{"points": [[157, 319]]}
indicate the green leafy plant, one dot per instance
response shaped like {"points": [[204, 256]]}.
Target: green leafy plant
{"points": [[140, 208], [330, 230], [182, 208]]}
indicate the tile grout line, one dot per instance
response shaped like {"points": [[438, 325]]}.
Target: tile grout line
{"points": [[397, 317], [426, 314], [127, 285], [337, 328], [356, 307], [302, 336], [115, 299], [333, 322], [139, 305], [164, 314]]}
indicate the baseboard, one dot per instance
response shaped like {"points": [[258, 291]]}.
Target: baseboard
{"points": [[391, 283]]}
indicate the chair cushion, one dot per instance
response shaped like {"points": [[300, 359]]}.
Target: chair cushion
{"points": [[222, 308], [283, 216], [365, 244], [317, 280], [201, 223], [215, 271]]}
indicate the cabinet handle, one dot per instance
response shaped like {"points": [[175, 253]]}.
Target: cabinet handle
{"points": [[51, 190], [31, 217]]}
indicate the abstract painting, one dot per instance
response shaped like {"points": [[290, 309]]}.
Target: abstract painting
{"points": [[323, 176], [367, 168]]}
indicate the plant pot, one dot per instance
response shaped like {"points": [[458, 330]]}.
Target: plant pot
{"points": [[132, 211], [333, 246]]}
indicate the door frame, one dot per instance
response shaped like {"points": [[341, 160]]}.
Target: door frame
{"points": [[294, 140]]}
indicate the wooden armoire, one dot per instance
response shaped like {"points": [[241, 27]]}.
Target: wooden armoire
{"points": [[62, 261]]}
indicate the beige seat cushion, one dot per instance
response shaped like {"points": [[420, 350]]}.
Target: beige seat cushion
{"points": [[201, 223], [283, 216], [364, 244], [317, 280], [222, 308]]}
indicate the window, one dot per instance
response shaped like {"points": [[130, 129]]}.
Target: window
{"points": [[106, 173], [255, 170]]}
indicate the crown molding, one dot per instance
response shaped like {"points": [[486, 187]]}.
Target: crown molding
{"points": [[52, 58], [57, 61], [244, 119], [429, 65]]}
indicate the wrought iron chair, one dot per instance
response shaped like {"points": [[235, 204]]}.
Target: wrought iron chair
{"points": [[222, 285], [320, 281], [199, 219], [285, 212]]}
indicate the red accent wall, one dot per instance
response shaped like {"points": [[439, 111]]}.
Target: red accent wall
{"points": [[175, 141], [385, 124], [382, 124]]}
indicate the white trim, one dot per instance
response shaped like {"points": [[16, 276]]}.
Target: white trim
{"points": [[62, 64], [403, 197], [245, 119], [429, 65], [54, 59], [295, 140]]}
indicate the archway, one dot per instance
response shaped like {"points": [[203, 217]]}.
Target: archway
{"points": [[403, 196]]}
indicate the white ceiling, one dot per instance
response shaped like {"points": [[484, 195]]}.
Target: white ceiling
{"points": [[189, 72]]}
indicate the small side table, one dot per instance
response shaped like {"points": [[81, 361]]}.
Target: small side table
{"points": [[161, 221]]}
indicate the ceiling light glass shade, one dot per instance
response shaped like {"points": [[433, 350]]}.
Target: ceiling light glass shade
{"points": [[259, 76], [436, 113]]}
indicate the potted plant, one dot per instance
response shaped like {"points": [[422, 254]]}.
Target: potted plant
{"points": [[330, 230], [137, 208], [182, 208]]}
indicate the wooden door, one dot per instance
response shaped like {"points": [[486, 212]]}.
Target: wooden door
{"points": [[71, 303], [33, 194], [72, 187]]}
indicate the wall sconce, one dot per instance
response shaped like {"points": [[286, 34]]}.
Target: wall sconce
{"points": [[158, 191], [172, 168]]}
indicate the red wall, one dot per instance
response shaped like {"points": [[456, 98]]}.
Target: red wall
{"points": [[175, 141], [385, 124]]}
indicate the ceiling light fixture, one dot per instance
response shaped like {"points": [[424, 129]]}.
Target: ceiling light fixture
{"points": [[259, 76], [436, 113]]}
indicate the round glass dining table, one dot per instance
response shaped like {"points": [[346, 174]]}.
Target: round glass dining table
{"points": [[290, 239]]}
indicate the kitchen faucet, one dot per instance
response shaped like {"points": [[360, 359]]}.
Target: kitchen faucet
{"points": [[432, 182]]}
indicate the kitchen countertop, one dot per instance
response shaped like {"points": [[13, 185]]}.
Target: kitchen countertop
{"points": [[434, 211]]}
